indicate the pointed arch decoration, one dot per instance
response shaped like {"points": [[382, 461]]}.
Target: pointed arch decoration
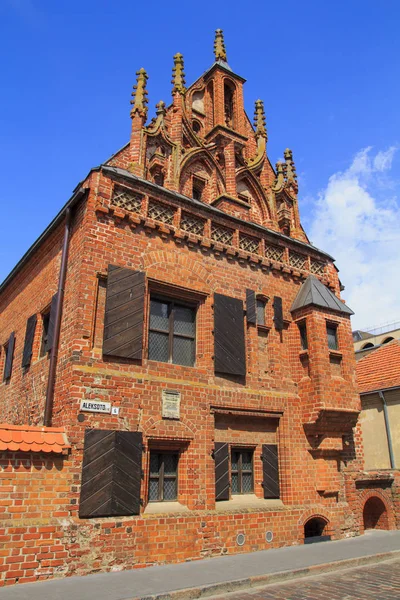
{"points": [[244, 174]]}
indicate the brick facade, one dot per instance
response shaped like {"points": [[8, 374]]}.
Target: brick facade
{"points": [[192, 203]]}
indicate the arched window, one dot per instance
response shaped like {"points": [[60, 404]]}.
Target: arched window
{"points": [[229, 92], [368, 345], [388, 339]]}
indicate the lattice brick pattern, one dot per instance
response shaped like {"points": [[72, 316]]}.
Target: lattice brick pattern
{"points": [[298, 261], [192, 224], [274, 253], [161, 212], [317, 267], [221, 234], [249, 244], [126, 199]]}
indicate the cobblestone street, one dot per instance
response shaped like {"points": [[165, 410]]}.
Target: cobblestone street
{"points": [[381, 581]]}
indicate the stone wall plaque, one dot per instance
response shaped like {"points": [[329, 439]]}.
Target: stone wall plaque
{"points": [[171, 404]]}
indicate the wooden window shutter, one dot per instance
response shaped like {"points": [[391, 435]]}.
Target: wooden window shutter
{"points": [[111, 473], [270, 471], [124, 313], [251, 306], [52, 323], [221, 457], [229, 345], [278, 313], [9, 356], [29, 335]]}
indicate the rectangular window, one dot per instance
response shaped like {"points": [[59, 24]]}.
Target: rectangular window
{"points": [[331, 332], [260, 308], [163, 480], [242, 471], [5, 355], [45, 333], [198, 186], [172, 332], [303, 336]]}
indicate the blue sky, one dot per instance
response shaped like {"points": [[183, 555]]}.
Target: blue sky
{"points": [[328, 73]]}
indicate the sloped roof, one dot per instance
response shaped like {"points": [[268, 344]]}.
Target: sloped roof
{"points": [[380, 369], [23, 438], [316, 293]]}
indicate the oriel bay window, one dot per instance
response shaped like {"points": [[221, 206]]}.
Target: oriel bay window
{"points": [[242, 480], [163, 478], [172, 332]]}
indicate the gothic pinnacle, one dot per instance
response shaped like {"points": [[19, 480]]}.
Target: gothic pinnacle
{"points": [[290, 169], [259, 119], [178, 75], [140, 94], [219, 46]]}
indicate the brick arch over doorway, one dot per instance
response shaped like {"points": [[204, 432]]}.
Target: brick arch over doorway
{"points": [[376, 511], [311, 520]]}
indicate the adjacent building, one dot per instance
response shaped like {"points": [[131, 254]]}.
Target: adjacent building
{"points": [[178, 372]]}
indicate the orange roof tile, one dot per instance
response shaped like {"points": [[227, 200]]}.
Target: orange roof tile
{"points": [[24, 438], [380, 369]]}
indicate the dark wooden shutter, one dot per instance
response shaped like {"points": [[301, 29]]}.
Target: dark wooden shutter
{"points": [[9, 356], [52, 324], [251, 306], [229, 345], [124, 314], [221, 457], [111, 473], [29, 335], [270, 471], [278, 313]]}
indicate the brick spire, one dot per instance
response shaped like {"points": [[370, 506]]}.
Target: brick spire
{"points": [[219, 46], [140, 95], [259, 119], [178, 75]]}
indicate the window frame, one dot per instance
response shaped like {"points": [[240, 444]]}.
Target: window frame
{"points": [[5, 354], [334, 327], [161, 477], [303, 338], [240, 471], [198, 187], [261, 303], [172, 302], [45, 316]]}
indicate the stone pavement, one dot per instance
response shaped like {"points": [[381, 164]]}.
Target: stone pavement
{"points": [[370, 582], [214, 575]]}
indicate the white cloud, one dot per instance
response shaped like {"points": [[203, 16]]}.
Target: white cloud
{"points": [[355, 222]]}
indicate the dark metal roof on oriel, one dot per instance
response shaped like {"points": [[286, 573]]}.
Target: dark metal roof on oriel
{"points": [[316, 293]]}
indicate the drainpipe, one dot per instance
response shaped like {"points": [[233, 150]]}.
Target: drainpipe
{"points": [[388, 433], [48, 407]]}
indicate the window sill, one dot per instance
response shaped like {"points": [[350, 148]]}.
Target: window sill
{"points": [[335, 353], [265, 328], [156, 508], [247, 501], [303, 353]]}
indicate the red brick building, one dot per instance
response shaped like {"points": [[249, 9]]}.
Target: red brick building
{"points": [[178, 374]]}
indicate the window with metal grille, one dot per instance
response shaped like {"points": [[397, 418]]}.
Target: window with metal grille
{"points": [[45, 333], [242, 471], [303, 336], [260, 311], [172, 332], [331, 332], [163, 477]]}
